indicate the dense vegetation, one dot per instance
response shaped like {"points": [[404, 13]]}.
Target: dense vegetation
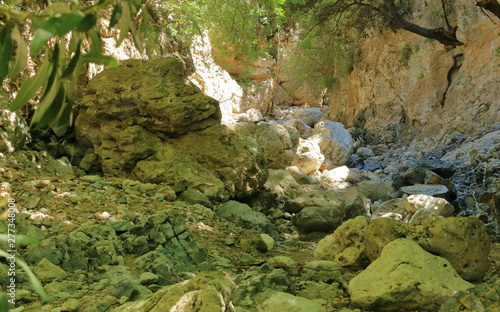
{"points": [[56, 39]]}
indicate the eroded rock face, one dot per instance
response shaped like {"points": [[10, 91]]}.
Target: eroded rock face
{"points": [[434, 92], [405, 277], [146, 122], [154, 95]]}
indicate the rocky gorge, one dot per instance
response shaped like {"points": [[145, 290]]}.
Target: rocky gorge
{"points": [[170, 198], [199, 217]]}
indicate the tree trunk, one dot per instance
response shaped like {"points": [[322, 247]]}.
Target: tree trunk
{"points": [[491, 5], [443, 35]]}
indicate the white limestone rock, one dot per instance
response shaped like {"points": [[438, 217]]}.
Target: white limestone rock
{"points": [[334, 140], [308, 156], [436, 205]]}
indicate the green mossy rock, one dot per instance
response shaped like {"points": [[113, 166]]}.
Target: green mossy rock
{"points": [[281, 301], [146, 121], [208, 291], [346, 246], [405, 277]]}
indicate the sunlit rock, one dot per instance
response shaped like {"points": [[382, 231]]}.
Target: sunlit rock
{"points": [[334, 140], [404, 277], [308, 157], [463, 241], [436, 205], [208, 291]]}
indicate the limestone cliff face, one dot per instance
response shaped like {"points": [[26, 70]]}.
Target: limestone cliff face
{"points": [[406, 88]]}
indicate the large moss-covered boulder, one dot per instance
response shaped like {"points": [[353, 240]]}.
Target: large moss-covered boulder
{"points": [[463, 241], [145, 121], [405, 277], [154, 94]]}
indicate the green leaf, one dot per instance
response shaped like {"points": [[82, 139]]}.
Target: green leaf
{"points": [[125, 23], [73, 63], [136, 5], [58, 25], [4, 302], [68, 22], [136, 37], [21, 53], [31, 86], [5, 51], [96, 42], [48, 109], [144, 27], [115, 16], [87, 23], [54, 67], [41, 38], [63, 119], [101, 59], [22, 240]]}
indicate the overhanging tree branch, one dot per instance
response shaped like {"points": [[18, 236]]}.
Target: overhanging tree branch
{"points": [[445, 35], [491, 5], [391, 12]]}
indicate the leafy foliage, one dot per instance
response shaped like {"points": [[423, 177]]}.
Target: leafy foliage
{"points": [[63, 30], [58, 32], [332, 29]]}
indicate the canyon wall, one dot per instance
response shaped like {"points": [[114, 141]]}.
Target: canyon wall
{"points": [[405, 88]]}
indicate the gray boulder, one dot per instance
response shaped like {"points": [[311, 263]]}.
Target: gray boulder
{"points": [[426, 189], [242, 215], [277, 142], [318, 219], [309, 115]]}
